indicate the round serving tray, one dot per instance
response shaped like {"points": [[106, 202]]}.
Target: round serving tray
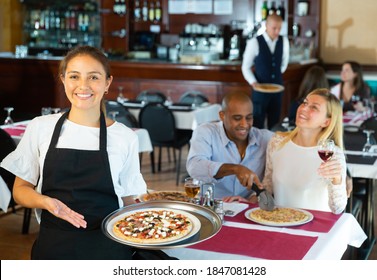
{"points": [[210, 222]]}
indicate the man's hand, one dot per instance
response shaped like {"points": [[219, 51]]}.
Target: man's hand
{"points": [[247, 177]]}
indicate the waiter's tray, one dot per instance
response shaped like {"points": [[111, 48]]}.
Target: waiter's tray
{"points": [[210, 223], [268, 88]]}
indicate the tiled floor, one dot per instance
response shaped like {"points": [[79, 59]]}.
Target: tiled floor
{"points": [[16, 246]]}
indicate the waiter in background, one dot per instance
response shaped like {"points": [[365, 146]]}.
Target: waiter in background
{"points": [[269, 54]]}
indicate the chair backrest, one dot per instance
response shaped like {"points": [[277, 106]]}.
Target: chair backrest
{"points": [[193, 97], [159, 121], [123, 116], [151, 96], [6, 147]]}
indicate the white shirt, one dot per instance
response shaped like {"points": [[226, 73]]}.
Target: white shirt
{"points": [[27, 160], [252, 50], [336, 90], [291, 175]]}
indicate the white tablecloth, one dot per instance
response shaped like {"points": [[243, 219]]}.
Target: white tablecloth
{"points": [[190, 119], [5, 195], [329, 246], [145, 144]]}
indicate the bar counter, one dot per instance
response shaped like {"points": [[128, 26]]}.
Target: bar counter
{"points": [[27, 84]]}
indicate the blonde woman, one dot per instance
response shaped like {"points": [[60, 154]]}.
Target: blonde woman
{"points": [[295, 173]]}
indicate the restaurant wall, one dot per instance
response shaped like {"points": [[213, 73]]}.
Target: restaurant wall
{"points": [[348, 31], [11, 24]]}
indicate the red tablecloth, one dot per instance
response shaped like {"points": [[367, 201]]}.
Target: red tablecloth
{"points": [[16, 131], [322, 222], [258, 244]]}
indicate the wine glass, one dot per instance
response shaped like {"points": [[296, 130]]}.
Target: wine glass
{"points": [[120, 98], [355, 99], [368, 143], [192, 187], [113, 115], [326, 149], [55, 110], [8, 119]]}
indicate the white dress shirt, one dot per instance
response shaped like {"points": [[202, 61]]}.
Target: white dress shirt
{"points": [[252, 50]]}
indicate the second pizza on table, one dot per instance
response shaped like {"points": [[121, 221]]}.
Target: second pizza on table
{"points": [[165, 195], [280, 216]]}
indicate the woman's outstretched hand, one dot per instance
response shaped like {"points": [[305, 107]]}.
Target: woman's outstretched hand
{"points": [[62, 211]]}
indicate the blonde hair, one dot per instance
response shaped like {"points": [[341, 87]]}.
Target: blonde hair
{"points": [[334, 111]]}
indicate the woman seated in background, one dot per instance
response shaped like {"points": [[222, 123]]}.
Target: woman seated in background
{"points": [[306, 181], [352, 89], [315, 77]]}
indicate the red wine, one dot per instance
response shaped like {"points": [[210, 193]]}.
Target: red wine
{"points": [[325, 155]]}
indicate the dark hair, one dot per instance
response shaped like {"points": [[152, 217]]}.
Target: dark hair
{"points": [[95, 54], [315, 77], [358, 81], [85, 50]]}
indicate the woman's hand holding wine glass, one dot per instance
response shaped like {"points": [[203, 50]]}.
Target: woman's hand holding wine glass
{"points": [[330, 169]]}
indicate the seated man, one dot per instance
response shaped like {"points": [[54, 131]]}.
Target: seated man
{"points": [[230, 153]]}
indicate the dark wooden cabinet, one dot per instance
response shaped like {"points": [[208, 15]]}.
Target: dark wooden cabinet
{"points": [[29, 84], [308, 26], [115, 28]]}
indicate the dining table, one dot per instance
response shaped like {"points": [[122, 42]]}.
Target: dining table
{"points": [[325, 237], [186, 116], [5, 195], [363, 165]]}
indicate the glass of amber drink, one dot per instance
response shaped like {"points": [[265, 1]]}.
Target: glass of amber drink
{"points": [[192, 187]]}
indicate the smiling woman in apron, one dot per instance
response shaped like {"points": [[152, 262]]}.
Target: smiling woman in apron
{"points": [[76, 168]]}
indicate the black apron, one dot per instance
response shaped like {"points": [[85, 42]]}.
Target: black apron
{"points": [[82, 180]]}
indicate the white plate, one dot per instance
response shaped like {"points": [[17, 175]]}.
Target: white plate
{"points": [[351, 128], [277, 88], [195, 226], [266, 223]]}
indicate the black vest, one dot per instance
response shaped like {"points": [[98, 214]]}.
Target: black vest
{"points": [[267, 64]]}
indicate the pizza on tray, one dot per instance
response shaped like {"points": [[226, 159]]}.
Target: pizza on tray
{"points": [[269, 87], [166, 195], [280, 216], [153, 226]]}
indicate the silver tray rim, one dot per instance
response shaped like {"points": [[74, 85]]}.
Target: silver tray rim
{"points": [[191, 208]]}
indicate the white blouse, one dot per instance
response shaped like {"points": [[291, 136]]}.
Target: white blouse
{"points": [[27, 160], [291, 175]]}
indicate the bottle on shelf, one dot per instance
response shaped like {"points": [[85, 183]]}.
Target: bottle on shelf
{"points": [[151, 11], [123, 7], [264, 11], [116, 6], [158, 11], [52, 20], [281, 10], [272, 9], [144, 11], [137, 11]]}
